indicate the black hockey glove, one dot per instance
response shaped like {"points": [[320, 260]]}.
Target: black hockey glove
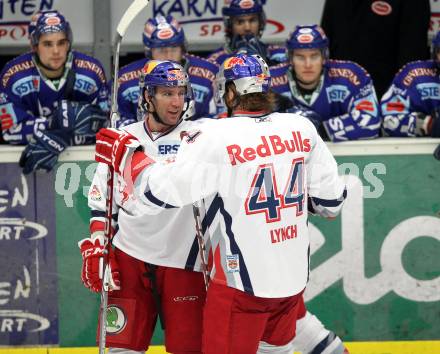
{"points": [[80, 120], [43, 150]]}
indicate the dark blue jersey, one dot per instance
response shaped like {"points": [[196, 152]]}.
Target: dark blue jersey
{"points": [[413, 95], [28, 98], [344, 100]]}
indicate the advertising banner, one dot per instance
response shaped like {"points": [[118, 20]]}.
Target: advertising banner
{"points": [[201, 19], [28, 277], [15, 16]]}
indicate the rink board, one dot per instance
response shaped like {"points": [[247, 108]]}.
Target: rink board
{"points": [[375, 270]]}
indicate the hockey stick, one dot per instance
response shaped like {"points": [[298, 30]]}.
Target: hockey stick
{"points": [[201, 241], [133, 10]]}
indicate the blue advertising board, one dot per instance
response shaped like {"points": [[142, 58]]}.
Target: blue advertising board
{"points": [[28, 276]]}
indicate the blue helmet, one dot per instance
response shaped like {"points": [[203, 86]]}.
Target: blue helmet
{"points": [[249, 73], [48, 22], [243, 7], [33, 22], [162, 32], [308, 37], [162, 73]]}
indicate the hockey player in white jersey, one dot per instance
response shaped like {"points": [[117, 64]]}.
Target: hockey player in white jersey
{"points": [[262, 170], [151, 276]]}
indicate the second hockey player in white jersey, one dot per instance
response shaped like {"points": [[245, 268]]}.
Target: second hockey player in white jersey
{"points": [[261, 169], [151, 275]]}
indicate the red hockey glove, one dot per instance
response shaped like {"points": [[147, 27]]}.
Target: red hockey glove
{"points": [[92, 251], [114, 147]]}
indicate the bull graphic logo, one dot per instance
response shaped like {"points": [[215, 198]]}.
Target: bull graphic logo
{"points": [[231, 62], [176, 74]]}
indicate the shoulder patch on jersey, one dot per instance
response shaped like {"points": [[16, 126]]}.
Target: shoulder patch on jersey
{"points": [[95, 194], [90, 66], [417, 72], [26, 85], [337, 93], [346, 73], [14, 69], [85, 84], [191, 136], [348, 64], [195, 70], [429, 90], [131, 75], [279, 80], [131, 94], [232, 263]]}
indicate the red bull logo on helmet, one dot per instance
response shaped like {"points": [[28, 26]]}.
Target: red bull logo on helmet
{"points": [[262, 79], [231, 62], [149, 66], [176, 74]]}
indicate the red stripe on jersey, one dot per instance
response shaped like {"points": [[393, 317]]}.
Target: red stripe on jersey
{"points": [[219, 273], [138, 163]]}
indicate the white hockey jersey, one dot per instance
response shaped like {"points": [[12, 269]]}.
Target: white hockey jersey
{"points": [[164, 237], [260, 173]]}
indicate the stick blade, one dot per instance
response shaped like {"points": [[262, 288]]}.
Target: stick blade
{"points": [[134, 9]]}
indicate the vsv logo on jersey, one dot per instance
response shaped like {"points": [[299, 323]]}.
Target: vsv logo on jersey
{"points": [[429, 91], [85, 84], [26, 85], [271, 145], [131, 94], [337, 93]]}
